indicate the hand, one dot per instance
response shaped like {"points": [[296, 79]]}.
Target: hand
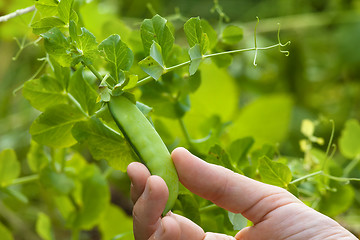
{"points": [[276, 213]]}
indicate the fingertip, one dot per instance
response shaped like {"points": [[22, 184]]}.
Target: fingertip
{"points": [[178, 152], [158, 187], [168, 229]]}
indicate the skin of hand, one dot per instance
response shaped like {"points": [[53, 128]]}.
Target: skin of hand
{"points": [[276, 213]]}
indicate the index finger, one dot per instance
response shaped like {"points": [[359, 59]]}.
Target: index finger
{"points": [[229, 190]]}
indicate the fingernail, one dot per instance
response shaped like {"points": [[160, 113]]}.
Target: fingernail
{"points": [[159, 231]]}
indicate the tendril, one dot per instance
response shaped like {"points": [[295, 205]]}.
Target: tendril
{"points": [[282, 45], [256, 48]]}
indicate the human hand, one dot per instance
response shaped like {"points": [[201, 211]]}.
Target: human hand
{"points": [[276, 213]]}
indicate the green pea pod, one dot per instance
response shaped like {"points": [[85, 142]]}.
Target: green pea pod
{"points": [[146, 143]]}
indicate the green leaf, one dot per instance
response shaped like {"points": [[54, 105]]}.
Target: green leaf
{"points": [[155, 53], [43, 227], [210, 32], [57, 46], [81, 90], [86, 48], [64, 9], [274, 173], [334, 203], [9, 167], [93, 183], [5, 233], [349, 142], [232, 34], [45, 24], [57, 183], [118, 54], [156, 29], [109, 225], [44, 92], [61, 74], [237, 220], [239, 150], [151, 67], [195, 35], [46, 8], [104, 143], [190, 207], [53, 127], [36, 157], [196, 58], [217, 155]]}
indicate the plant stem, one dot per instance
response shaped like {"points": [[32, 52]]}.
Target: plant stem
{"points": [[143, 81], [208, 208], [185, 131], [177, 66], [351, 166], [93, 70], [17, 13], [23, 180], [307, 176]]}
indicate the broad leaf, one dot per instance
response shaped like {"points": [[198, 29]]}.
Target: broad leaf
{"points": [[232, 34], [61, 74], [190, 207], [274, 173], [43, 227], [151, 67], [9, 167], [195, 35], [64, 10], [44, 92], [210, 32], [349, 142], [46, 8], [104, 143], [118, 54], [81, 90], [217, 155], [53, 127], [239, 150], [45, 24], [156, 29], [196, 58], [86, 48], [57, 46]]}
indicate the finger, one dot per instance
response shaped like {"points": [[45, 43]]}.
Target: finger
{"points": [[168, 229], [227, 189], [138, 175], [217, 236], [149, 207], [189, 229]]}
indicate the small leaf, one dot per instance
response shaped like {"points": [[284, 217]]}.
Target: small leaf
{"points": [[196, 58], [44, 92], [274, 173], [43, 227], [237, 220], [195, 35], [53, 127], [156, 29], [46, 8], [155, 53], [151, 67], [232, 34], [349, 142], [57, 46], [45, 24], [104, 143], [86, 46], [210, 32], [117, 54], [64, 9], [9, 167], [239, 150]]}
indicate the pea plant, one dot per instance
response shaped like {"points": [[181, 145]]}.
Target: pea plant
{"points": [[104, 104]]}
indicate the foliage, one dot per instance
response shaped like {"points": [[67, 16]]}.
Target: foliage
{"points": [[200, 90]]}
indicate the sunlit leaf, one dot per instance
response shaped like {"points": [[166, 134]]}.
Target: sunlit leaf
{"points": [[45, 24], [43, 227], [274, 173], [9, 166], [349, 142]]}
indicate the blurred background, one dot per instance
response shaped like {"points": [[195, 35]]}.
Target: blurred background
{"points": [[321, 75]]}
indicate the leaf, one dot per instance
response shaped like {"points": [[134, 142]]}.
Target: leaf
{"points": [[46, 8], [151, 67], [55, 182], [61, 74], [81, 90], [64, 10], [195, 35], [118, 54], [349, 142], [210, 32], [5, 233], [36, 157], [44, 92], [43, 227], [57, 46], [155, 53], [86, 46], [109, 225], [53, 127], [196, 58], [232, 34], [274, 173], [190, 207], [9, 167], [217, 155], [239, 150], [104, 143], [93, 183], [45, 24], [237, 220], [156, 29]]}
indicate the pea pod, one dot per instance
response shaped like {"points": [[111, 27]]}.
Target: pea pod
{"points": [[146, 143]]}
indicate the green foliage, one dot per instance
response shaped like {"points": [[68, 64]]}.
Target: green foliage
{"points": [[9, 167]]}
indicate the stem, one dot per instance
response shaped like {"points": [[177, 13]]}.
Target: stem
{"points": [[177, 66], [208, 208], [17, 13], [351, 166], [329, 145], [143, 81], [32, 77], [185, 131], [93, 70], [307, 176], [24, 180]]}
